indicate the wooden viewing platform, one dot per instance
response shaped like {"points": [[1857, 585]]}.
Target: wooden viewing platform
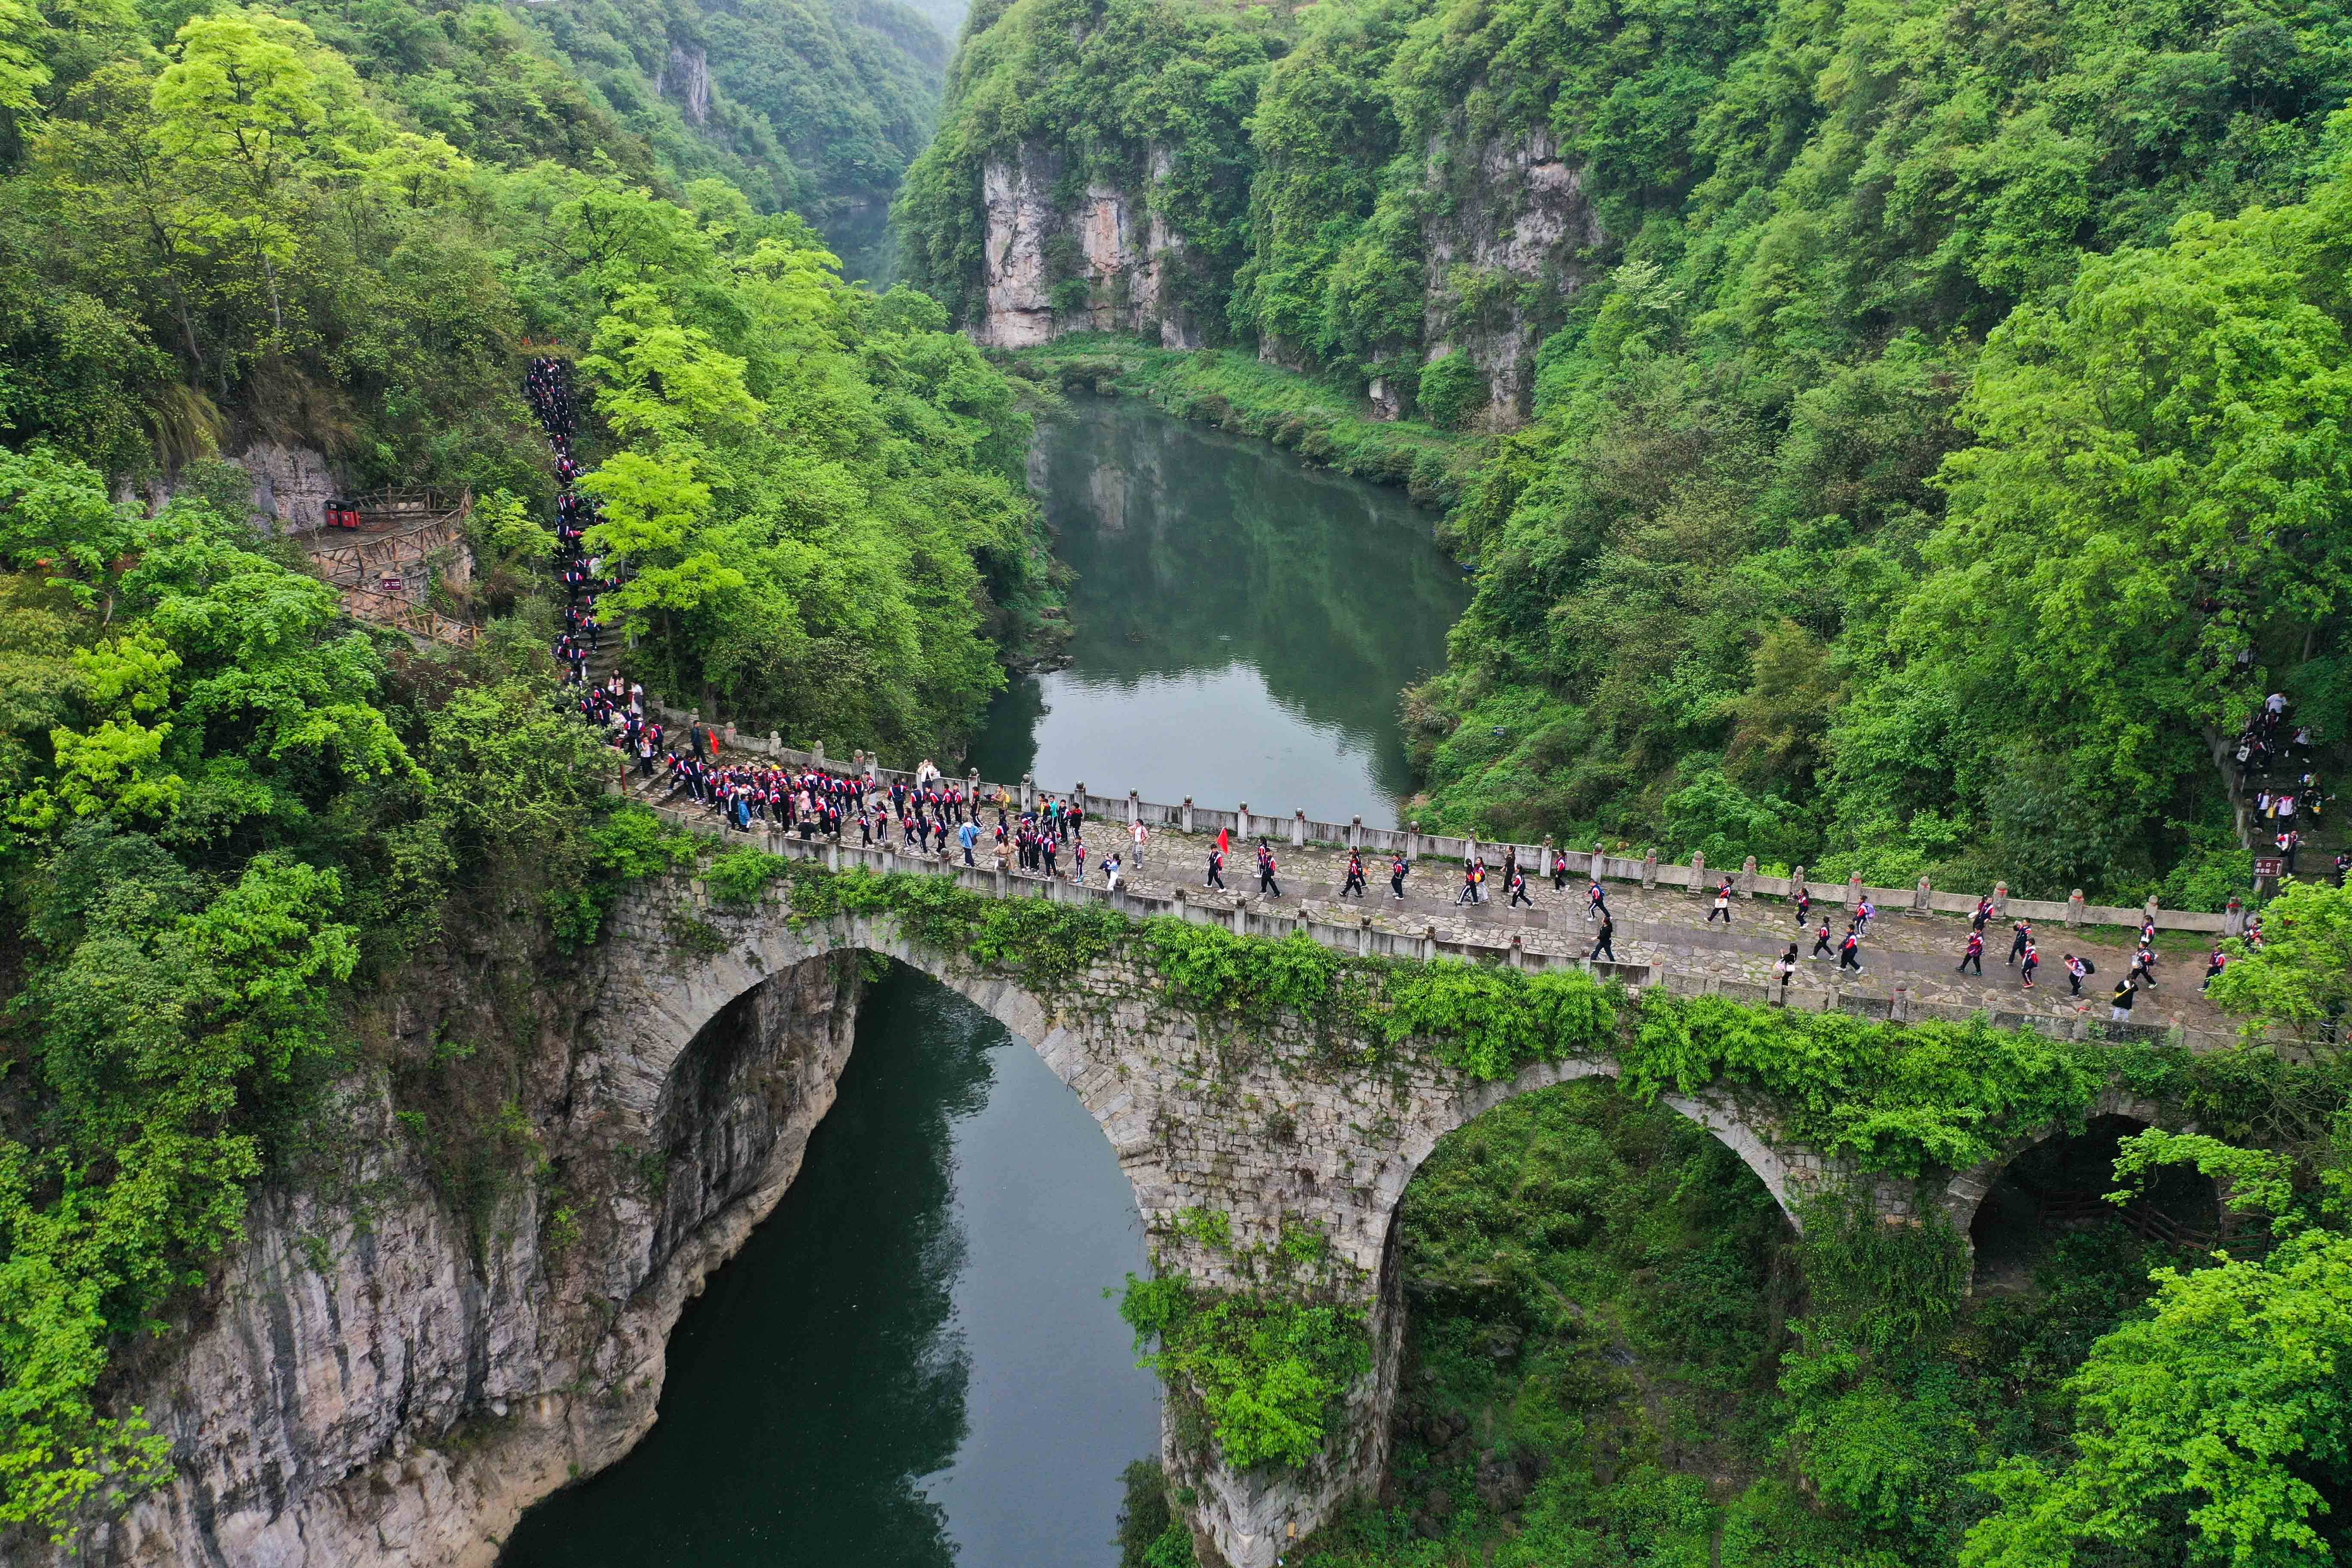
{"points": [[380, 566]]}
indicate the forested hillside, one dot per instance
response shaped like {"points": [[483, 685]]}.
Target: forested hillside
{"points": [[1923, 421], [230, 813]]}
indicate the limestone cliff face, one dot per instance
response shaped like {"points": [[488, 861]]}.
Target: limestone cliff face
{"points": [[1102, 265], [379, 1379], [1503, 230], [1502, 252], [685, 77]]}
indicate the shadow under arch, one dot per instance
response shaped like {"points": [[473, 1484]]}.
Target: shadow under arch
{"points": [[893, 1302], [2011, 1205]]}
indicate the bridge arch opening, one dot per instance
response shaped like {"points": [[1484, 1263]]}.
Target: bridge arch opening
{"points": [[910, 1356], [1574, 1284], [2058, 1187]]}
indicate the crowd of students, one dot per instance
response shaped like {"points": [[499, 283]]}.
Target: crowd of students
{"points": [[2276, 758]]}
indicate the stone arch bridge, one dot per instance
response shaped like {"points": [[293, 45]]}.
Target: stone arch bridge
{"points": [[1265, 1131]]}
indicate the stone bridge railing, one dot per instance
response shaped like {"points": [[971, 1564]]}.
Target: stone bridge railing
{"points": [[1300, 830], [1366, 938]]}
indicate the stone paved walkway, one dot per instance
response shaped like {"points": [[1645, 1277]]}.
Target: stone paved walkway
{"points": [[1670, 926]]}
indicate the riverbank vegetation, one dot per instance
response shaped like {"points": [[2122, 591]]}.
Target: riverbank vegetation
{"points": [[1917, 433], [231, 814]]}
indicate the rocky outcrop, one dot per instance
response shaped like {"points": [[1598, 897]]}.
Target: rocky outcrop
{"points": [[1103, 265], [1502, 251], [684, 79], [291, 485], [379, 1379]]}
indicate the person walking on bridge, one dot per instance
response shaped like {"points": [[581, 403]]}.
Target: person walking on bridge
{"points": [[967, 836], [1804, 903], [1784, 969], [2032, 963], [1265, 870], [1142, 836], [2120, 1005], [1355, 883], [1601, 943], [2078, 969], [1596, 900], [1850, 949], [1722, 905], [1519, 891], [1822, 940], [1560, 873], [1397, 869], [1216, 865], [2021, 937], [1975, 954]]}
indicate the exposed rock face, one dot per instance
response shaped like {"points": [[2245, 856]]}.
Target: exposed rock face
{"points": [[1501, 241], [685, 78], [1502, 255], [291, 485], [377, 1382], [1101, 265]]}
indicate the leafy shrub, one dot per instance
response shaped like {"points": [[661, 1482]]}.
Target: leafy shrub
{"points": [[1452, 390]]}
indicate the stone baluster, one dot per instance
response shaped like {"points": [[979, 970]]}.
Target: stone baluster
{"points": [[2075, 909], [1134, 808], [1543, 857], [1650, 869], [2000, 901], [1355, 833], [1854, 891], [1298, 828], [1028, 792], [1428, 942], [1363, 935], [1241, 917], [1699, 870], [1923, 898], [1748, 878], [2234, 918], [1241, 815], [1518, 951], [1188, 813]]}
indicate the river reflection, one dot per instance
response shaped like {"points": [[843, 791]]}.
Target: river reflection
{"points": [[1243, 623], [911, 1363]]}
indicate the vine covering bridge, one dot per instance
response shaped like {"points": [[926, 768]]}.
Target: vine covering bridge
{"points": [[1662, 937], [1270, 1128]]}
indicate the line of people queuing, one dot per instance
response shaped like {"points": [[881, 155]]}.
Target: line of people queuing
{"points": [[2276, 758]]}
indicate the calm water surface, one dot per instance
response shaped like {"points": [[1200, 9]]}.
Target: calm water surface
{"points": [[912, 1363], [1243, 623]]}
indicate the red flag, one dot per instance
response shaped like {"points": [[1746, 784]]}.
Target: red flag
{"points": [[1221, 841]]}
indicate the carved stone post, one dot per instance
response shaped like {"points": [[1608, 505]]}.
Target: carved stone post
{"points": [[1923, 898], [2234, 918], [1134, 808], [1188, 813], [1428, 942], [1363, 935], [1242, 813], [1241, 919], [1518, 951], [1748, 878], [1650, 869], [1298, 828], [1028, 792], [1544, 857], [2075, 909], [1699, 871], [1355, 833], [2001, 900]]}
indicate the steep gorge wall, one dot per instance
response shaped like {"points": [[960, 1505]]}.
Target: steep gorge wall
{"points": [[1050, 267], [379, 1377]]}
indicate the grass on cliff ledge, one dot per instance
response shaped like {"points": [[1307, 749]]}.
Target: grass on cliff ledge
{"points": [[1321, 422]]}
